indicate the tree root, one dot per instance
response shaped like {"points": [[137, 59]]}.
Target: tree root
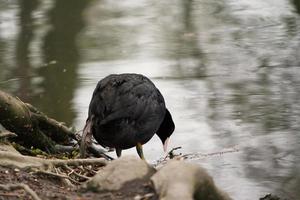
{"points": [[20, 161], [32, 126], [9, 187], [72, 171], [64, 172], [77, 162], [7, 134], [35, 129]]}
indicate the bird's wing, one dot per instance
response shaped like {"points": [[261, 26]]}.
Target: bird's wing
{"points": [[127, 101]]}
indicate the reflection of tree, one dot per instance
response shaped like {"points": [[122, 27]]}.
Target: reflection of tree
{"points": [[294, 26], [2, 47], [182, 42], [2, 44], [61, 58], [270, 102], [22, 49], [261, 112], [297, 5], [118, 39], [266, 112]]}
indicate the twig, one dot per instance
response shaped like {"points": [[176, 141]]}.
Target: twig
{"points": [[72, 171], [16, 186], [57, 175], [91, 171], [171, 154], [218, 153]]}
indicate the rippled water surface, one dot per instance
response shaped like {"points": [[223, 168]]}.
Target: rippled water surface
{"points": [[229, 71]]}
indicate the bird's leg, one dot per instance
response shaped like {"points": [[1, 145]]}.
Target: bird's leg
{"points": [[119, 152], [139, 149]]}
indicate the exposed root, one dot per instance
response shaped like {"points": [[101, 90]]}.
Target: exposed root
{"points": [[20, 161], [77, 162], [72, 171], [32, 126], [9, 187]]}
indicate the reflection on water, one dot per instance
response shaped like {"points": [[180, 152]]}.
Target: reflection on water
{"points": [[25, 35], [60, 58], [229, 71]]}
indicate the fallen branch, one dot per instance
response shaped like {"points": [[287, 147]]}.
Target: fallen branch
{"points": [[60, 176], [9, 187], [180, 156]]}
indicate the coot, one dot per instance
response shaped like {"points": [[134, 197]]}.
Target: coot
{"points": [[126, 110]]}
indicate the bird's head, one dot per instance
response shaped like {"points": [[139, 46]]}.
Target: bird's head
{"points": [[166, 129]]}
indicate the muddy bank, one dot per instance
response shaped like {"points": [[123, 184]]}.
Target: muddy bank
{"points": [[125, 178]]}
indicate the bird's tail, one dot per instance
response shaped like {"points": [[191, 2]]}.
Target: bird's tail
{"points": [[86, 139]]}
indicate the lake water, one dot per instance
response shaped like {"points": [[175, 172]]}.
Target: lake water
{"points": [[229, 71]]}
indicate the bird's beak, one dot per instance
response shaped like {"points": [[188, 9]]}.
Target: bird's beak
{"points": [[166, 144]]}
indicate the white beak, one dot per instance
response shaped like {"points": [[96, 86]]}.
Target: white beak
{"points": [[166, 144]]}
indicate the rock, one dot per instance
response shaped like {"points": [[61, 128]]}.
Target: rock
{"points": [[181, 180], [119, 172], [270, 197]]}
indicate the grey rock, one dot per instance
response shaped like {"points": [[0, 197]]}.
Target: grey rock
{"points": [[182, 180], [119, 172]]}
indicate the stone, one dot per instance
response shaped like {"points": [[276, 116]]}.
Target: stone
{"points": [[182, 180], [270, 197], [119, 172]]}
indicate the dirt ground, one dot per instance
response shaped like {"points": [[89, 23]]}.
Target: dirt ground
{"points": [[52, 188]]}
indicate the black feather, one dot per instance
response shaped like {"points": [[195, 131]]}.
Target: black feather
{"points": [[128, 109]]}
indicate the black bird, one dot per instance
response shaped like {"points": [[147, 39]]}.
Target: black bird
{"points": [[126, 110]]}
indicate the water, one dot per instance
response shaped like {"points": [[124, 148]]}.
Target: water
{"points": [[229, 71]]}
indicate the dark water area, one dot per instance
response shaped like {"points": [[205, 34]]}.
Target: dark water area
{"points": [[229, 71]]}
